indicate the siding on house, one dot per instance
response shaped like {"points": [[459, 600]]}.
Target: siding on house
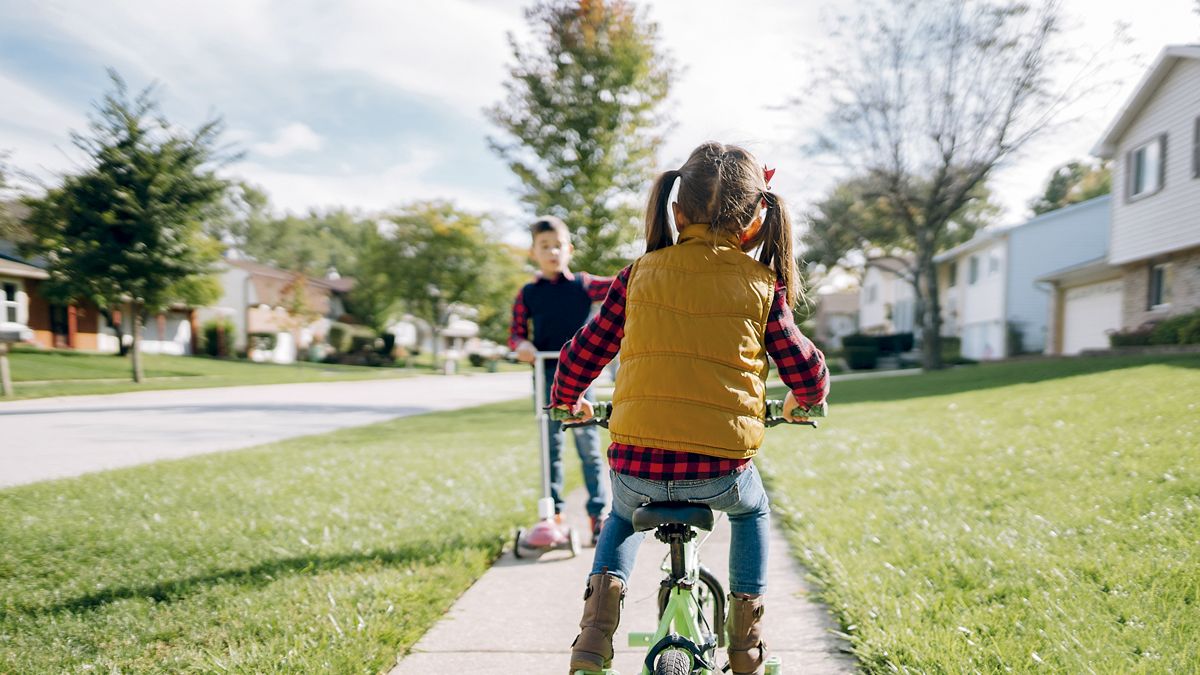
{"points": [[1168, 220], [1053, 241]]}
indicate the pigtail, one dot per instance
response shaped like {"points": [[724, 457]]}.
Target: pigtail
{"points": [[776, 251], [658, 222]]}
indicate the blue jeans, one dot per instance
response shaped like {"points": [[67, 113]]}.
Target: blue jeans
{"points": [[740, 495], [587, 445]]}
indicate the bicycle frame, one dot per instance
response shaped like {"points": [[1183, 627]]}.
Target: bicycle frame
{"points": [[683, 613]]}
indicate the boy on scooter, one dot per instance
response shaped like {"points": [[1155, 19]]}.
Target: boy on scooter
{"points": [[557, 304]]}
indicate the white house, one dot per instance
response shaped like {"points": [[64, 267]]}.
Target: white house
{"points": [[887, 302], [991, 295], [835, 317], [1155, 144]]}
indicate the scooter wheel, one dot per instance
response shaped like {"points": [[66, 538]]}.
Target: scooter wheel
{"points": [[575, 545], [517, 542]]}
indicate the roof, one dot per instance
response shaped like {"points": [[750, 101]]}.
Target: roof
{"points": [[1083, 273], [1166, 60], [13, 266], [991, 234], [262, 270]]}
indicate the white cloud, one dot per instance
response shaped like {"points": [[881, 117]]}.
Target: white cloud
{"points": [[293, 138], [399, 183]]}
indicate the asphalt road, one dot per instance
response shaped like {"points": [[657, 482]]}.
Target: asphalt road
{"points": [[68, 436]]}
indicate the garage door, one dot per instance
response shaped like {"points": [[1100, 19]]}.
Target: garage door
{"points": [[1088, 313]]}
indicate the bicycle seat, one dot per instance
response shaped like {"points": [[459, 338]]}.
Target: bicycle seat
{"points": [[655, 514]]}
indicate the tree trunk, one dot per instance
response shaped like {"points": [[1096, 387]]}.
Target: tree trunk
{"points": [[136, 350], [5, 379], [114, 320], [931, 318]]}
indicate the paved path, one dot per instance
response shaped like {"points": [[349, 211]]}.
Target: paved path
{"points": [[71, 435], [521, 616]]}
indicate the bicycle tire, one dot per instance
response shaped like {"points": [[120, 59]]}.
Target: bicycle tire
{"points": [[673, 662]]}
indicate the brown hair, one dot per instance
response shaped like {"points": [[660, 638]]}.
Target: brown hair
{"points": [[549, 224], [723, 186]]}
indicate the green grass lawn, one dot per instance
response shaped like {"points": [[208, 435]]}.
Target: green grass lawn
{"points": [[37, 374], [331, 553], [1031, 516]]}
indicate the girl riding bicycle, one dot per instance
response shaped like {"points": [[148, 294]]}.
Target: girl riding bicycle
{"points": [[694, 319]]}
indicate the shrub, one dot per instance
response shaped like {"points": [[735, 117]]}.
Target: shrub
{"points": [[951, 349], [860, 340], [862, 358], [1175, 330], [217, 336], [1133, 337], [1190, 333], [339, 336]]}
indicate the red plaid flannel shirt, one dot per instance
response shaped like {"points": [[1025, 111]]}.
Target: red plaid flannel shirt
{"points": [[801, 367], [518, 331]]}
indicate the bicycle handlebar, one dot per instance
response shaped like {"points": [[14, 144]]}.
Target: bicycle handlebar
{"points": [[601, 412]]}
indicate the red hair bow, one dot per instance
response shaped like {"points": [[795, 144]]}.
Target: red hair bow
{"points": [[768, 174]]}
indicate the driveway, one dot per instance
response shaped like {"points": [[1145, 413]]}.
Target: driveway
{"points": [[69, 436]]}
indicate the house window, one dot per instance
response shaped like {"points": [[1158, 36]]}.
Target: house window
{"points": [[1146, 165], [973, 270], [993, 264], [1160, 286], [9, 309], [952, 273], [1196, 150], [871, 293]]}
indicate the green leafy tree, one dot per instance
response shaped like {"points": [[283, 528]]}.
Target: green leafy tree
{"points": [[126, 232], [1072, 183], [582, 118], [312, 243], [855, 226], [926, 98], [428, 256], [12, 227]]}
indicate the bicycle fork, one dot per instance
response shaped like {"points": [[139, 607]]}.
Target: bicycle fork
{"points": [[683, 625]]}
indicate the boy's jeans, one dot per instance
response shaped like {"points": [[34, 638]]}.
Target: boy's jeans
{"points": [[587, 444], [741, 495]]}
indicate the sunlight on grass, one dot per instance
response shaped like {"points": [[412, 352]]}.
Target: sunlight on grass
{"points": [[1030, 516], [330, 553]]}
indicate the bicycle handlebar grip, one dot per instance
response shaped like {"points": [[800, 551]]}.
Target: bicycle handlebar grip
{"points": [[775, 409]]}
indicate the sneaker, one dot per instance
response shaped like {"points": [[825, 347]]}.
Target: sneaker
{"points": [[597, 525]]}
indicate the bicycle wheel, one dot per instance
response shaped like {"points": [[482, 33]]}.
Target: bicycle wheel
{"points": [[673, 662]]}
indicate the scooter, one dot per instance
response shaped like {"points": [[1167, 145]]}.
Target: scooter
{"points": [[547, 535]]}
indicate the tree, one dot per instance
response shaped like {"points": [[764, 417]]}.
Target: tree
{"points": [[312, 243], [927, 98], [854, 227], [126, 231], [582, 110], [428, 256], [1072, 183], [11, 226]]}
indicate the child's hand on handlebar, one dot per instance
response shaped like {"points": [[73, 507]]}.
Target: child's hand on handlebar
{"points": [[789, 406], [582, 411], [526, 352]]}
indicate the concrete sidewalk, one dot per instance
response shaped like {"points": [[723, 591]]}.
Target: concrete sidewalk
{"points": [[521, 616]]}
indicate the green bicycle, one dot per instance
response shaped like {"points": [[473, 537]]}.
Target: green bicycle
{"points": [[691, 602]]}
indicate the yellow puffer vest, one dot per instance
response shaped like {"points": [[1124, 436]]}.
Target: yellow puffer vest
{"points": [[693, 358]]}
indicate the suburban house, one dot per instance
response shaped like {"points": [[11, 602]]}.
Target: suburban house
{"points": [[887, 303], [835, 317], [1154, 143], [55, 326], [261, 300], [991, 295]]}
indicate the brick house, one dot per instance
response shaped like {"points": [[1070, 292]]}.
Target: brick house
{"points": [[1154, 143]]}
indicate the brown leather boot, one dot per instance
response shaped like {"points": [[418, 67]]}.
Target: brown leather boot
{"points": [[593, 647], [747, 653]]}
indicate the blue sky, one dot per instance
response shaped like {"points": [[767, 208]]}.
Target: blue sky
{"points": [[370, 104]]}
